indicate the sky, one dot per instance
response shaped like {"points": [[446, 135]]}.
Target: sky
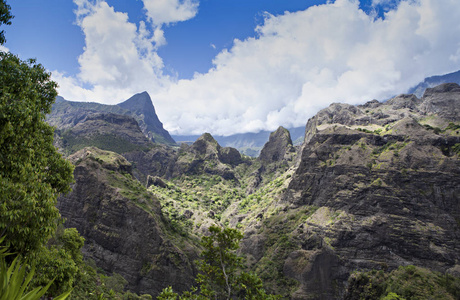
{"points": [[236, 66]]}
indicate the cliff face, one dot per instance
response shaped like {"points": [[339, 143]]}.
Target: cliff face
{"points": [[123, 225], [385, 185], [107, 131], [141, 107], [67, 114], [206, 156]]}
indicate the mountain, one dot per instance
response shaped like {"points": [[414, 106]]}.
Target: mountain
{"points": [[433, 81], [141, 107], [372, 188], [124, 229], [107, 131], [67, 114], [249, 144], [381, 182]]}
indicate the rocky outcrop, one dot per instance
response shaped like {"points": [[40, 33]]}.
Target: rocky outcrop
{"points": [[123, 226], [386, 189], [67, 114], [205, 155], [141, 107], [442, 101], [278, 147]]}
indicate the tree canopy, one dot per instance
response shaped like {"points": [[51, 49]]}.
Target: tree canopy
{"points": [[222, 274], [5, 19], [32, 172]]}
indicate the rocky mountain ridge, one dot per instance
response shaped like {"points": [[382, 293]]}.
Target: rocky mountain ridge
{"points": [[373, 186], [67, 114], [122, 223]]}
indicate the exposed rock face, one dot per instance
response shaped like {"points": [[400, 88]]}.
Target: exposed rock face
{"points": [[387, 193], [157, 161], [123, 225], [275, 158], [442, 100], [106, 131], [67, 114], [156, 181], [140, 105], [205, 155], [279, 145]]}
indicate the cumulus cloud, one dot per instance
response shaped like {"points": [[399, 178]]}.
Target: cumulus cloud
{"points": [[119, 58], [170, 11], [301, 62], [4, 49]]}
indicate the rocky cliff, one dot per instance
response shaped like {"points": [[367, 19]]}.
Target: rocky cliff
{"points": [[383, 180], [141, 108], [374, 186], [123, 226], [67, 114]]}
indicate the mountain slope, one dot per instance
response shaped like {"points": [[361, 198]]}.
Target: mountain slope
{"points": [[141, 107], [67, 114], [123, 225], [383, 185]]}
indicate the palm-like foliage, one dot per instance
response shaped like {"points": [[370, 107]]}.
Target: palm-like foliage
{"points": [[14, 280]]}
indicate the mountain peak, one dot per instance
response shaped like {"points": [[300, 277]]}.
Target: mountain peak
{"points": [[142, 107], [138, 103], [277, 146]]}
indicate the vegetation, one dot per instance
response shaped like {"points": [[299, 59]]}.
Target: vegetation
{"points": [[32, 172], [15, 280], [5, 19], [40, 260], [221, 275], [409, 283], [109, 142]]}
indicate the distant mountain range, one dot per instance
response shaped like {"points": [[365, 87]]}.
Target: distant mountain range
{"points": [[432, 81], [247, 143], [67, 114]]}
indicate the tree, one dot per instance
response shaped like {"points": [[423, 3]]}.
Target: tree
{"points": [[221, 271], [5, 18], [15, 280], [32, 172], [61, 261]]}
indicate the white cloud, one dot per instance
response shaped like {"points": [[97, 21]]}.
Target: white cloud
{"points": [[303, 61], [170, 11], [118, 59], [4, 49], [299, 63]]}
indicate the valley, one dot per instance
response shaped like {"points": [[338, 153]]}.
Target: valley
{"points": [[372, 188]]}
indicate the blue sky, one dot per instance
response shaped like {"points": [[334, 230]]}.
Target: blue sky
{"points": [[232, 66], [48, 31]]}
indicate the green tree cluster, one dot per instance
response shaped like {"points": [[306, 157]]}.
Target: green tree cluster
{"points": [[32, 172], [15, 280], [404, 283], [5, 19], [221, 271]]}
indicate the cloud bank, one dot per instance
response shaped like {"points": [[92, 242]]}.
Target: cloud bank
{"points": [[297, 64]]}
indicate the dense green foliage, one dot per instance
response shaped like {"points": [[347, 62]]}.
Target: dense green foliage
{"points": [[32, 172], [409, 283], [5, 19], [15, 280], [221, 271]]}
